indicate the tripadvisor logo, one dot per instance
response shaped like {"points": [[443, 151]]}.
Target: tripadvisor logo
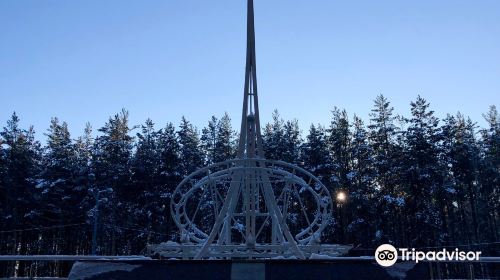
{"points": [[387, 255]]}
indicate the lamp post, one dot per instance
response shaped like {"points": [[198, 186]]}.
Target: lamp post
{"points": [[341, 198]]}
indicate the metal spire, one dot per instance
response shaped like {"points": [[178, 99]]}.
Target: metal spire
{"points": [[250, 144], [250, 207]]}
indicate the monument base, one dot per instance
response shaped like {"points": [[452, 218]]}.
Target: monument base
{"points": [[352, 268]]}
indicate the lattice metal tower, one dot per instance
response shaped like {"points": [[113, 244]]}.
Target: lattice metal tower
{"points": [[250, 145], [250, 207]]}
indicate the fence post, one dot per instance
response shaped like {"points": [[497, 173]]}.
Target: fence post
{"points": [[471, 271]]}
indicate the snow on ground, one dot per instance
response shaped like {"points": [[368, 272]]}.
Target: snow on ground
{"points": [[315, 256], [83, 270]]}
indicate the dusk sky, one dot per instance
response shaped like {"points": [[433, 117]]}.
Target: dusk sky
{"points": [[83, 61]]}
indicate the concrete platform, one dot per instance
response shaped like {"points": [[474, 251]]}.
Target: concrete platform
{"points": [[245, 270]]}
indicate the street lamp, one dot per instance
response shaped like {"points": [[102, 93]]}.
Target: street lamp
{"points": [[341, 199]]}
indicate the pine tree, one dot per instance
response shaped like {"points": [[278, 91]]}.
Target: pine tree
{"points": [[147, 206], [169, 174], [3, 187], [466, 165], [450, 194], [83, 152], [84, 181], [22, 154], [218, 140], [146, 161], [169, 153], [57, 179], [316, 159], [113, 150], [361, 176], [315, 154], [382, 138], [21, 164], [423, 175], [339, 139], [490, 174], [209, 140], [191, 155], [273, 138], [111, 166], [225, 144], [292, 142], [386, 145], [282, 140]]}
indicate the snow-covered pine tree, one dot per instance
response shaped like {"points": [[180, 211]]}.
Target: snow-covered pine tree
{"points": [[489, 188], [423, 174], [83, 152], [145, 160], [111, 166], [57, 179], [449, 194], [273, 137], [59, 194], [147, 207], [282, 140], [460, 158], [388, 196], [84, 181], [3, 188], [225, 144], [191, 154], [315, 155], [21, 155], [292, 142], [218, 140], [362, 191], [209, 140], [316, 159], [113, 152], [339, 140], [382, 136], [169, 174], [169, 152]]}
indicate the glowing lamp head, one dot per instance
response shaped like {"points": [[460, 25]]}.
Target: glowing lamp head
{"points": [[341, 196]]}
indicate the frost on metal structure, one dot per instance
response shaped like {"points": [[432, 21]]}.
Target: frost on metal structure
{"points": [[250, 207]]}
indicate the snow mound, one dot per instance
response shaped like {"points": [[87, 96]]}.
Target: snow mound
{"points": [[315, 256], [84, 270]]}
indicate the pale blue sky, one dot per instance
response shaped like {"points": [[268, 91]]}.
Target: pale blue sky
{"points": [[84, 60]]}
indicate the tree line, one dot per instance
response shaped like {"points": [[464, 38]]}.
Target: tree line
{"points": [[413, 182]]}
